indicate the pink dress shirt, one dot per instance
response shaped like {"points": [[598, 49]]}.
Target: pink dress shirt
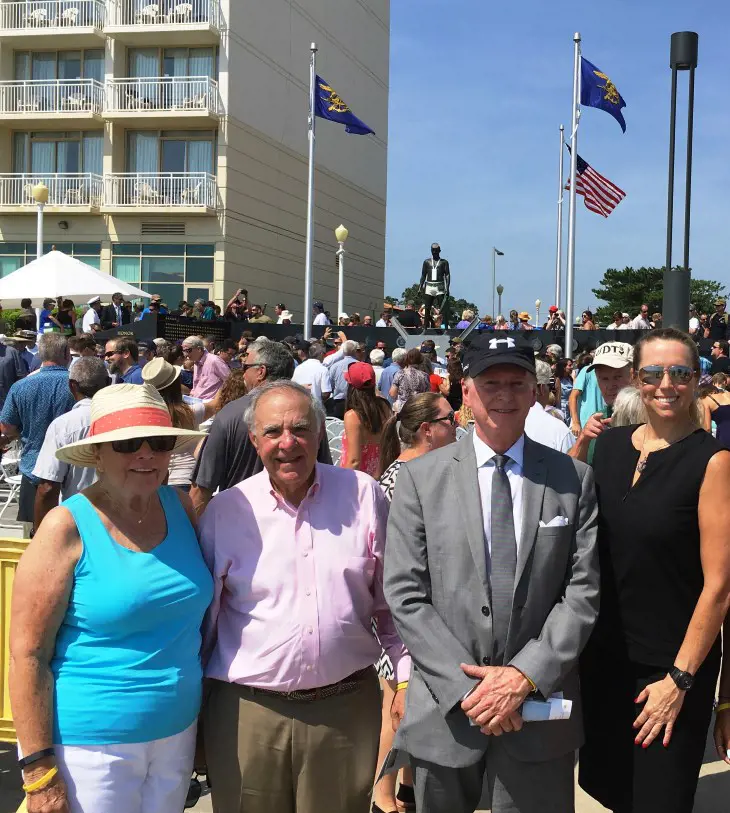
{"points": [[208, 376], [296, 588]]}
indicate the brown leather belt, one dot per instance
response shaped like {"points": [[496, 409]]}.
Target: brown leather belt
{"points": [[344, 686]]}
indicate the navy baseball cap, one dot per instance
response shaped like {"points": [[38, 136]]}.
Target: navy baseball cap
{"points": [[488, 350]]}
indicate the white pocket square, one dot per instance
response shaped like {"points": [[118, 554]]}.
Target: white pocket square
{"points": [[555, 522]]}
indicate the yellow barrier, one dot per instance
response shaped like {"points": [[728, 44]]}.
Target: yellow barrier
{"points": [[10, 552]]}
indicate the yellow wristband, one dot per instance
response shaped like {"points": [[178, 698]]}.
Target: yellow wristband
{"points": [[532, 685], [402, 685], [722, 707], [42, 782]]}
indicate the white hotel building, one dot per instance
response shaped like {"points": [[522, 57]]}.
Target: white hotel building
{"points": [[172, 136]]}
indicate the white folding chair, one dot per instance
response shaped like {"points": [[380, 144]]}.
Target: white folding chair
{"points": [[12, 480]]}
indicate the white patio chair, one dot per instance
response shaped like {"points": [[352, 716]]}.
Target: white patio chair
{"points": [[69, 16], [148, 15], [191, 196], [74, 196], [182, 13], [12, 480], [74, 102], [146, 194], [28, 193], [38, 17]]}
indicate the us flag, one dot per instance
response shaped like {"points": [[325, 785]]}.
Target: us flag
{"points": [[599, 194]]}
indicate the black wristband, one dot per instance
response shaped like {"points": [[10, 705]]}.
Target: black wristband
{"points": [[36, 757]]}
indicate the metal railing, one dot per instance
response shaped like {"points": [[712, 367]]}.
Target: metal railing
{"points": [[64, 189], [163, 93], [34, 96], [161, 189], [51, 14], [164, 12]]}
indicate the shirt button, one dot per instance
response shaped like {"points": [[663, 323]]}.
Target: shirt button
{"points": [[486, 661], [310, 630], [305, 554], [309, 592], [485, 610]]}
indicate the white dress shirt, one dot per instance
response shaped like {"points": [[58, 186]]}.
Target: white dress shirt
{"points": [[548, 430], [485, 471]]}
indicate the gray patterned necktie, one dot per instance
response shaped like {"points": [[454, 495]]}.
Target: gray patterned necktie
{"points": [[503, 556]]}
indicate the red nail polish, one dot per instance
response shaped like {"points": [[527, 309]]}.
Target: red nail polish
{"points": [[645, 745]]}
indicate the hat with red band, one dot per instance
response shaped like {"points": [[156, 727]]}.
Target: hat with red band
{"points": [[123, 412]]}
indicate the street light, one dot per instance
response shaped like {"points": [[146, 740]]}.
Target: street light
{"points": [[500, 291], [682, 57], [40, 196], [537, 312], [341, 234], [495, 253]]}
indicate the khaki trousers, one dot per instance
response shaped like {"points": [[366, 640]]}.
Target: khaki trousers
{"points": [[274, 755]]}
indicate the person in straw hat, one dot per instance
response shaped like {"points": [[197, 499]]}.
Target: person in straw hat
{"points": [[165, 378], [108, 601]]}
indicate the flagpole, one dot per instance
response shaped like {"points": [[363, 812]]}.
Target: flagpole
{"points": [[570, 292], [310, 199], [561, 194]]}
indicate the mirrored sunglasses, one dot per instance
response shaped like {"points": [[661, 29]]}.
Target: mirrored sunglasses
{"points": [[654, 374]]}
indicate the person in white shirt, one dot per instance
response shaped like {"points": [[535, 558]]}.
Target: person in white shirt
{"points": [[377, 357], [641, 322], [91, 322], [542, 424], [313, 375], [617, 323], [320, 317], [625, 322], [694, 322], [384, 320]]}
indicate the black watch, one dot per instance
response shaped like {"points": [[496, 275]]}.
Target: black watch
{"points": [[684, 680]]}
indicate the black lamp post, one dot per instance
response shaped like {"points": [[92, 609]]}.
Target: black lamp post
{"points": [[683, 57]]}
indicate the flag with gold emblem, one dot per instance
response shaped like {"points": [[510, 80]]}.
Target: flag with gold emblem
{"points": [[597, 90], [328, 105]]}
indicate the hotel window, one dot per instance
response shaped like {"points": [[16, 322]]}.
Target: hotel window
{"points": [[171, 151], [15, 255], [50, 153], [176, 271], [88, 64], [147, 62]]}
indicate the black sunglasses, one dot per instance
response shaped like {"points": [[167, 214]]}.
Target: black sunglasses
{"points": [[161, 443], [110, 354], [654, 374], [245, 367], [451, 418]]}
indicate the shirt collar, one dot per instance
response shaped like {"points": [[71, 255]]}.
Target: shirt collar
{"points": [[312, 495], [201, 360], [84, 402], [484, 453]]}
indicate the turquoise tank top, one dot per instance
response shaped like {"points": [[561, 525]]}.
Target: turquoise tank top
{"points": [[127, 659]]}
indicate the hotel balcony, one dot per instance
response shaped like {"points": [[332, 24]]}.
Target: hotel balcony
{"points": [[160, 192], [42, 104], [80, 192], [190, 100], [53, 23], [166, 22]]}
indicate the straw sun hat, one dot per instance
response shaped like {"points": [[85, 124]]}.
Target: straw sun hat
{"points": [[160, 373], [122, 412]]}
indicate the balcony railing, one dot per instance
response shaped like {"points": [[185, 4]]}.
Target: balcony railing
{"points": [[64, 189], [161, 190], [45, 14], [164, 93], [38, 96], [165, 12]]}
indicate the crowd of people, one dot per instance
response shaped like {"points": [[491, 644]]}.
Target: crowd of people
{"points": [[212, 595]]}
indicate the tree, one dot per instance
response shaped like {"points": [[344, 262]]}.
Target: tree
{"points": [[628, 289], [391, 300]]}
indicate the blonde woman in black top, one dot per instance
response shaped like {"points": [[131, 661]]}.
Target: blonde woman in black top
{"points": [[649, 672]]}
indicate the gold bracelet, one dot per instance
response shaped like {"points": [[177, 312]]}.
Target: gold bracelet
{"points": [[402, 685], [42, 782], [722, 707]]}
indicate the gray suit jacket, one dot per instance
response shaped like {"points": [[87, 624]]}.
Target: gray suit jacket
{"points": [[437, 587]]}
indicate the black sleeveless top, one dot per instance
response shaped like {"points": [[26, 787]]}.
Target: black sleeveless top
{"points": [[649, 543]]}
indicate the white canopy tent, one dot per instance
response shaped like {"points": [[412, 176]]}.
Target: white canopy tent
{"points": [[56, 274]]}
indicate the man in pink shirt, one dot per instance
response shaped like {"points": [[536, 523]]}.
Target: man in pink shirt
{"points": [[209, 372], [296, 552]]}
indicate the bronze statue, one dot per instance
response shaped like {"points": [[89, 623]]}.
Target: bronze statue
{"points": [[435, 283]]}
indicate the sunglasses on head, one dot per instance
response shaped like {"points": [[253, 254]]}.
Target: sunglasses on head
{"points": [[162, 443], [654, 374]]}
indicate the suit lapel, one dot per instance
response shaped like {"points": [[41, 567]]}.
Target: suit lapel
{"points": [[470, 504], [533, 492]]}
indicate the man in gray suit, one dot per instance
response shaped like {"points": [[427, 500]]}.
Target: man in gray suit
{"points": [[491, 573]]}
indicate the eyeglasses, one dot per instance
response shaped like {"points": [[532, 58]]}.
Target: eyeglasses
{"points": [[451, 418], [162, 443], [654, 374], [245, 366], [110, 354]]}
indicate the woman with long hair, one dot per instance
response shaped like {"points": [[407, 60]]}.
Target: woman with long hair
{"points": [[426, 422], [365, 416], [165, 378], [650, 669], [410, 380], [564, 380], [452, 389]]}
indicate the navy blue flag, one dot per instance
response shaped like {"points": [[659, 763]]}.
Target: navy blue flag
{"points": [[597, 90], [328, 105]]}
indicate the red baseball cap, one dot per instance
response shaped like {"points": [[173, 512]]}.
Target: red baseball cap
{"points": [[553, 309], [360, 375]]}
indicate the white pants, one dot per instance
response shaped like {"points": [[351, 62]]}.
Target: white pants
{"points": [[144, 777]]}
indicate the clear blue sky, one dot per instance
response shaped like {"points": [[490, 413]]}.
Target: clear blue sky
{"points": [[477, 93]]}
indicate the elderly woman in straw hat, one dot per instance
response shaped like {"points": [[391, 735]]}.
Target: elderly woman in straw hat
{"points": [[165, 378], [105, 674]]}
